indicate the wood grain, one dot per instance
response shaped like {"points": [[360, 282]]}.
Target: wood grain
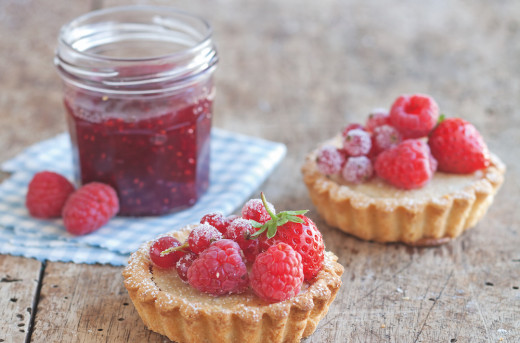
{"points": [[296, 71], [19, 278]]}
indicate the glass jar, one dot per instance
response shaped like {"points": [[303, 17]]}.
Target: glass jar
{"points": [[138, 94]]}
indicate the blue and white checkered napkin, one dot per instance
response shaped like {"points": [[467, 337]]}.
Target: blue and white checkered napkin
{"points": [[239, 165]]}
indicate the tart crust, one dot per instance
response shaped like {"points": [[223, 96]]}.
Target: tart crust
{"points": [[376, 211], [174, 309]]}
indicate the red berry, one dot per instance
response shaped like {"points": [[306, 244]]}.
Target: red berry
{"points": [[254, 209], [304, 238], [358, 169], [408, 165], [357, 142], [230, 219], [160, 245], [219, 270], [414, 116], [351, 127], [385, 137], [47, 194], [376, 118], [240, 231], [277, 274], [217, 220], [330, 160], [89, 208], [201, 236], [458, 147], [184, 263]]}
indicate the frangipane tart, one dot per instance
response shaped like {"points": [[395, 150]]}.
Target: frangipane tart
{"points": [[173, 308], [377, 211]]}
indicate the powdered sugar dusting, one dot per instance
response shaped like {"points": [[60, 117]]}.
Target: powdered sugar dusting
{"points": [[357, 169], [357, 142], [330, 160]]}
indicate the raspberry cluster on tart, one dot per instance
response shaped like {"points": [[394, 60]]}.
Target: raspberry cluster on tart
{"points": [[407, 175], [260, 277]]}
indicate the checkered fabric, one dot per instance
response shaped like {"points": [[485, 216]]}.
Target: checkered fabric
{"points": [[239, 165]]}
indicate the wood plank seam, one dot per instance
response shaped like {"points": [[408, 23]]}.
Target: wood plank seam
{"points": [[35, 302]]}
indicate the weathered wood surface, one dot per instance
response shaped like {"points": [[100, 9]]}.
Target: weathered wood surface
{"points": [[297, 71]]}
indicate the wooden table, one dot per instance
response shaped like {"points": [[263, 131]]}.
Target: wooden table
{"points": [[297, 71]]}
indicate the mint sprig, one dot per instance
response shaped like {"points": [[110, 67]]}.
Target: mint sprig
{"points": [[271, 226]]}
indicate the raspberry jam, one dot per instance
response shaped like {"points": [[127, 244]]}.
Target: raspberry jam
{"points": [[140, 123]]}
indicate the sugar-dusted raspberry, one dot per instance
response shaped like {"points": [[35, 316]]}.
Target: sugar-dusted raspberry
{"points": [[351, 127], [414, 116], [357, 142], [240, 231], [408, 165], [255, 210], [89, 208], [358, 169], [184, 263], [330, 160], [219, 270], [229, 219], [304, 238], [165, 260], [201, 236], [215, 219], [47, 194], [385, 137], [376, 118], [458, 147], [277, 274]]}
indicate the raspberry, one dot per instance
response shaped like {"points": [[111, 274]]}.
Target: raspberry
{"points": [[304, 238], [357, 142], [357, 169], [414, 116], [89, 208], [47, 194], [217, 220], [351, 127], [408, 165], [184, 263], [458, 147], [219, 270], [385, 137], [160, 245], [277, 274], [376, 118], [240, 231], [201, 236], [255, 210], [229, 219], [330, 160]]}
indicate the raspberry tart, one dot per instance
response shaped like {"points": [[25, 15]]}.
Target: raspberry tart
{"points": [[275, 289], [424, 180]]}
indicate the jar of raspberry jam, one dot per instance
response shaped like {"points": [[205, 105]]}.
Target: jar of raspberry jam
{"points": [[138, 94]]}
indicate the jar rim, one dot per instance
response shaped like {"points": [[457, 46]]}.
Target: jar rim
{"points": [[134, 8]]}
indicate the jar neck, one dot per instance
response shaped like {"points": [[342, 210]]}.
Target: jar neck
{"points": [[135, 50]]}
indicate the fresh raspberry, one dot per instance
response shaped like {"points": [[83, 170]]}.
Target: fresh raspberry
{"points": [[47, 194], [277, 274], [240, 231], [358, 169], [458, 147], [408, 165], [201, 236], [255, 210], [229, 219], [219, 270], [351, 127], [414, 116], [184, 263], [376, 118], [357, 142], [217, 220], [330, 160], [89, 208], [304, 238], [165, 260], [385, 137]]}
